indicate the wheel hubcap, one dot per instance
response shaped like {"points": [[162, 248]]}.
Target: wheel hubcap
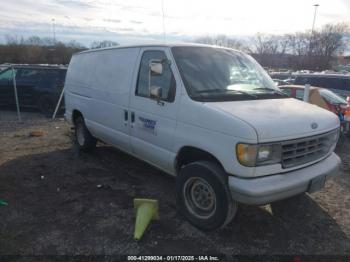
{"points": [[80, 135], [200, 198]]}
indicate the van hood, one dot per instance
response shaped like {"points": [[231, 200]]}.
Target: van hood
{"points": [[280, 119]]}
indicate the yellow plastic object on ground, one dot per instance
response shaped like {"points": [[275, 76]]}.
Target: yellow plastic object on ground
{"points": [[146, 210]]}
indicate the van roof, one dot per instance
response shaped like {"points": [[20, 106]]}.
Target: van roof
{"points": [[35, 66], [161, 44]]}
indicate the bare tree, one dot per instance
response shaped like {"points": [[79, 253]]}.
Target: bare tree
{"points": [[325, 44], [301, 50], [12, 39], [222, 40], [35, 50], [269, 50]]}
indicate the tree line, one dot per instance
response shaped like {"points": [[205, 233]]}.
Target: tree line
{"points": [[36, 50], [315, 50]]}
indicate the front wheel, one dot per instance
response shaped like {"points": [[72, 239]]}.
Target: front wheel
{"points": [[203, 195]]}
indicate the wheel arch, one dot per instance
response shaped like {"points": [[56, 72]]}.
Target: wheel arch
{"points": [[75, 114], [190, 154]]}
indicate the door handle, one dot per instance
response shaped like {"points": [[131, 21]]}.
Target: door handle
{"points": [[132, 119], [126, 117]]}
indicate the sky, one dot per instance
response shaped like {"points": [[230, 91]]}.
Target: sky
{"points": [[135, 21]]}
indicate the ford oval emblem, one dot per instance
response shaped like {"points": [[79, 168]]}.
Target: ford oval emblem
{"points": [[314, 125]]}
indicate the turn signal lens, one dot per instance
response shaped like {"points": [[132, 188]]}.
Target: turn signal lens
{"points": [[246, 154]]}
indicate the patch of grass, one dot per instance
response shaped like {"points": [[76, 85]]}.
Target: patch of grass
{"points": [[18, 135], [68, 133]]}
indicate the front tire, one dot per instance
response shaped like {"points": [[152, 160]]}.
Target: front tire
{"points": [[84, 140], [203, 195]]}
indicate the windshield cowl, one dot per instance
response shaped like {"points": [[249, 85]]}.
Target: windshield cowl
{"points": [[235, 97]]}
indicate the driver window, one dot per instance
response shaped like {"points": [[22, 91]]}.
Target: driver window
{"points": [[166, 80]]}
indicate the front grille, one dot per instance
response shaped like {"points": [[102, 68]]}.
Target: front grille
{"points": [[301, 151]]}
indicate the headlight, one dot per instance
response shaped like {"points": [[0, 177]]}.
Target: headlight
{"points": [[334, 137], [258, 155]]}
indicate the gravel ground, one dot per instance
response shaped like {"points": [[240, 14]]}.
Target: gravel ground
{"points": [[63, 202]]}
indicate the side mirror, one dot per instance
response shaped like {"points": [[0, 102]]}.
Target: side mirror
{"points": [[156, 67], [156, 93]]}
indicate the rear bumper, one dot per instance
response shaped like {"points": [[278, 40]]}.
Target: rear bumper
{"points": [[258, 191]]}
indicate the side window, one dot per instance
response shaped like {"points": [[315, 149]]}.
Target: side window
{"points": [[346, 84], [331, 83], [328, 83], [166, 80], [287, 91], [7, 75], [31, 75], [302, 80], [316, 81], [54, 76], [50, 75], [299, 94]]}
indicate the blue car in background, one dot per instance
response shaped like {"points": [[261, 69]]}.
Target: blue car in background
{"points": [[37, 86], [339, 84]]}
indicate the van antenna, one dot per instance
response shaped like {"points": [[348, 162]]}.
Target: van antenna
{"points": [[164, 35]]}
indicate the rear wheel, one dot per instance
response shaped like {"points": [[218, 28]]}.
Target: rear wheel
{"points": [[84, 140], [203, 195]]}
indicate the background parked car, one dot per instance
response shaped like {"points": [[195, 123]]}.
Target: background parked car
{"points": [[280, 82], [280, 75], [37, 86], [3, 67], [339, 84], [324, 98]]}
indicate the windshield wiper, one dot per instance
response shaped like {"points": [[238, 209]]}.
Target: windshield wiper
{"points": [[271, 90], [226, 91]]}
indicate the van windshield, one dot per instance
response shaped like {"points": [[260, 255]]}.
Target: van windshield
{"points": [[218, 74]]}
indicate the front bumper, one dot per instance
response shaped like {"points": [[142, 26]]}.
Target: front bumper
{"points": [[263, 190]]}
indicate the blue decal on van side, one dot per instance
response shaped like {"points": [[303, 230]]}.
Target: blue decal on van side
{"points": [[148, 124]]}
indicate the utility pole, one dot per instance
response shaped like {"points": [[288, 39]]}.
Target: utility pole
{"points": [[54, 30], [313, 23], [312, 32], [163, 21]]}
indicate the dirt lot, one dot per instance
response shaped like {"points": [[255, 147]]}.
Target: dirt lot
{"points": [[60, 202]]}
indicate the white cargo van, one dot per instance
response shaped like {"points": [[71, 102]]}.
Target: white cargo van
{"points": [[210, 116]]}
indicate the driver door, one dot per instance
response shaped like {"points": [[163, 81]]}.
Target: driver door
{"points": [[153, 122]]}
